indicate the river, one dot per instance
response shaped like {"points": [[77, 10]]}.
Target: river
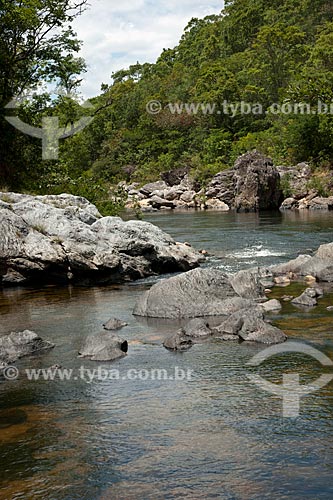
{"points": [[213, 435]]}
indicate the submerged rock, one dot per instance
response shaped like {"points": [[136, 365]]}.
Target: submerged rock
{"points": [[104, 347], [194, 331], [20, 344], [178, 342], [114, 324], [197, 329]]}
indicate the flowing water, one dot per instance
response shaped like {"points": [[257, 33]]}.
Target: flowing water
{"points": [[215, 435]]}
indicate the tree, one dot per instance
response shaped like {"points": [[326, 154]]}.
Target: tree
{"points": [[37, 45]]}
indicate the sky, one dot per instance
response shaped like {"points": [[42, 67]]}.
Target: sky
{"points": [[118, 33]]}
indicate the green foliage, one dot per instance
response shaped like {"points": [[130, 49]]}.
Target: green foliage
{"points": [[286, 186], [37, 46], [255, 51], [319, 183]]}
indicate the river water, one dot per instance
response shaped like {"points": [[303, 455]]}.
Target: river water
{"points": [[215, 435]]}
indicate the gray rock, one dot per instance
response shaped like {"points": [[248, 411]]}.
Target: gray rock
{"points": [[215, 204], [325, 252], [148, 189], [289, 204], [262, 332], [227, 338], [104, 347], [307, 299], [297, 178], [321, 203], [257, 183], [20, 344], [158, 202], [13, 278], [250, 325], [252, 184], [173, 193], [114, 324], [197, 329], [41, 242], [319, 266], [193, 332], [198, 293], [222, 187], [234, 323], [295, 266], [188, 196], [310, 202], [271, 305], [247, 284], [178, 342]]}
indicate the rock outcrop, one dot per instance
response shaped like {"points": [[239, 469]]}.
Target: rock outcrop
{"points": [[104, 347], [64, 239], [20, 344], [253, 184]]}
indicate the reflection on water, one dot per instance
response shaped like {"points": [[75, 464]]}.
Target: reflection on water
{"points": [[216, 436]]}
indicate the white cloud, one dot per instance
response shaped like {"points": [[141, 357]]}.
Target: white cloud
{"points": [[116, 34]]}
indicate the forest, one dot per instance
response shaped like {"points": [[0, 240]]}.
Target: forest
{"points": [[262, 53]]}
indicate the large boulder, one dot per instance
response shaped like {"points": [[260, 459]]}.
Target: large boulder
{"points": [[198, 293], [50, 239], [253, 184], [20, 344], [104, 347], [257, 183], [319, 266]]}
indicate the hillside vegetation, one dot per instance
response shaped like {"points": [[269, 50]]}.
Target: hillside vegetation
{"points": [[256, 51]]}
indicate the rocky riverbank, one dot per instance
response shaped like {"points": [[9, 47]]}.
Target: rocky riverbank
{"points": [[212, 305], [64, 239], [253, 184]]}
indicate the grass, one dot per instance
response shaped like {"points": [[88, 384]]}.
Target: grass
{"points": [[39, 228]]}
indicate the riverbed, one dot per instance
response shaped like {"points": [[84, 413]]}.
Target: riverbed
{"points": [[211, 435]]}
